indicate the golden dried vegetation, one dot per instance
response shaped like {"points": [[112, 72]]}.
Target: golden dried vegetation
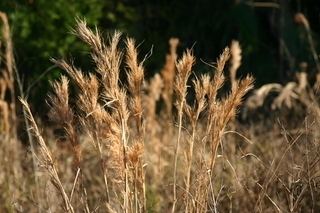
{"points": [[141, 145]]}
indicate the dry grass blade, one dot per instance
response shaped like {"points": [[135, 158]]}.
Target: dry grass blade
{"points": [[135, 81], [231, 104], [302, 81], [258, 97], [287, 95], [193, 114], [218, 79], [236, 57], [227, 110], [184, 67], [215, 84], [168, 73], [46, 158], [106, 57], [7, 79], [59, 102], [62, 115]]}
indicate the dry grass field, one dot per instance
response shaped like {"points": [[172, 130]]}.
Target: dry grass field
{"points": [[177, 142]]}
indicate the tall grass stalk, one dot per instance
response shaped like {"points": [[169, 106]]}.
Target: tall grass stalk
{"points": [[184, 67]]}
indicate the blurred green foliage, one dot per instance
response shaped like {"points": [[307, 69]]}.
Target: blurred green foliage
{"points": [[41, 30]]}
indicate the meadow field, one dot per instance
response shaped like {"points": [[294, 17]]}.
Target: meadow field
{"points": [[178, 141]]}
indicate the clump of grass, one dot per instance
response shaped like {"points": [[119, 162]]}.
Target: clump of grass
{"points": [[104, 111], [219, 112], [105, 108], [126, 156]]}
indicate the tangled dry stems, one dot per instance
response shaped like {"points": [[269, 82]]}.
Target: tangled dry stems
{"points": [[140, 152], [104, 110]]}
